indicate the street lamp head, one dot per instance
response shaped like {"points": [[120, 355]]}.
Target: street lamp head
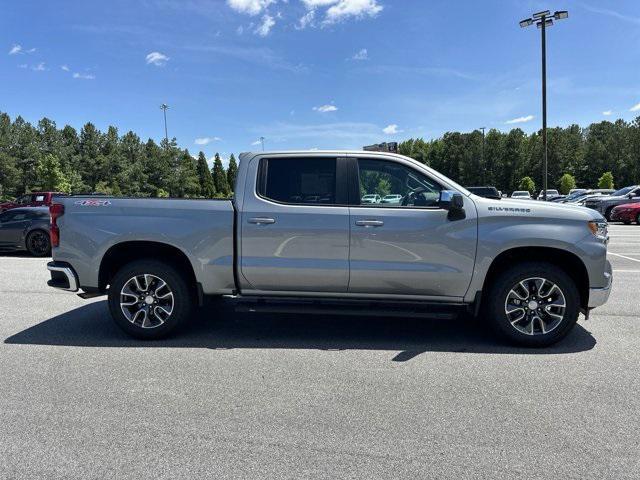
{"points": [[526, 22], [538, 15], [561, 15], [547, 23]]}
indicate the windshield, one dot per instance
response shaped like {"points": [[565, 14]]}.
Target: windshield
{"points": [[622, 191]]}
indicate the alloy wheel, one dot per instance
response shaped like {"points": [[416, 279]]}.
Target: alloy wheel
{"points": [[535, 306], [146, 300]]}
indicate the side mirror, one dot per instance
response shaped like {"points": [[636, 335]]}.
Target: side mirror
{"points": [[453, 202]]}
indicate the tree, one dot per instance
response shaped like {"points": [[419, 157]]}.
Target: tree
{"points": [[220, 178], [567, 183], [232, 172], [606, 180], [188, 182], [50, 176], [527, 183], [207, 189]]}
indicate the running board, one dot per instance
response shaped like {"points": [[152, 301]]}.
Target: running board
{"points": [[430, 311]]}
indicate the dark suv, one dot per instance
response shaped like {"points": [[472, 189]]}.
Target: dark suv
{"points": [[605, 204], [26, 228]]}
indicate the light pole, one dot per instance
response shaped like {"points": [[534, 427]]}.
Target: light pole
{"points": [[482, 128], [543, 20], [262, 142], [164, 107]]}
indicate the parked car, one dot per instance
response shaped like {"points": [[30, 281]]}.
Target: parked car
{"points": [[33, 199], [573, 193], [25, 228], [551, 195], [393, 199], [604, 204], [486, 192], [581, 199], [371, 198], [157, 258], [523, 194], [626, 213]]}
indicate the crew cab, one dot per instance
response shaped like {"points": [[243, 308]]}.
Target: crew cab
{"points": [[298, 231], [33, 199]]}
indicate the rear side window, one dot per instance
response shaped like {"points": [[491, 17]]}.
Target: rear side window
{"points": [[39, 198], [298, 180]]}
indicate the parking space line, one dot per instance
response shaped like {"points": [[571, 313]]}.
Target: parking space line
{"points": [[622, 256]]}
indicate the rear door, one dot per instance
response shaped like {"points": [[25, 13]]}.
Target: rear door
{"points": [[410, 247], [12, 226], [294, 225]]}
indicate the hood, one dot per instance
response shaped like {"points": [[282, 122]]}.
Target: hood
{"points": [[535, 208]]}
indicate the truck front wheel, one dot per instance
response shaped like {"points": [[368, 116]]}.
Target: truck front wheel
{"points": [[149, 299], [533, 304]]}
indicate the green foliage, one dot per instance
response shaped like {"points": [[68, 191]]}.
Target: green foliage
{"points": [[50, 175], [232, 172], [527, 183], [606, 180], [567, 182], [43, 155], [220, 178]]}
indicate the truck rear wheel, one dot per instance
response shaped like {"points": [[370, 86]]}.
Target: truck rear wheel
{"points": [[149, 299], [533, 304]]}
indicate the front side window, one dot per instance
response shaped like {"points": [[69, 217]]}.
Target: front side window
{"points": [[389, 184], [24, 199], [298, 180]]}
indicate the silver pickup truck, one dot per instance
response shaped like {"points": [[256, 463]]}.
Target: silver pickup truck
{"points": [[298, 230]]}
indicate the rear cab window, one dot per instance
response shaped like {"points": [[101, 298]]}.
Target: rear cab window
{"points": [[299, 180]]}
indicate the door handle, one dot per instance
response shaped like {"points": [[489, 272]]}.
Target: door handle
{"points": [[369, 223], [262, 220]]}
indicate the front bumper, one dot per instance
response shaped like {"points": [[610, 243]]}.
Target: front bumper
{"points": [[62, 276], [599, 296]]}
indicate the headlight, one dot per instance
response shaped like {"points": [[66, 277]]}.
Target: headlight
{"points": [[599, 229]]}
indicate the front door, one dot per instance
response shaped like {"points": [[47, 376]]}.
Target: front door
{"points": [[295, 226], [12, 226], [406, 244]]}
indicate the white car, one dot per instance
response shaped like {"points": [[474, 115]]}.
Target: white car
{"points": [[393, 199], [521, 194], [371, 198]]}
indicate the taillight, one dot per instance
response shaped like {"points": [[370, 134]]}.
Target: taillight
{"points": [[56, 210]]}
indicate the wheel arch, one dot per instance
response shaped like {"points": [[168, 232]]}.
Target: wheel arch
{"points": [[567, 261], [125, 252]]}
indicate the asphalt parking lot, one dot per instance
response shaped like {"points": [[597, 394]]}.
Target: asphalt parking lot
{"points": [[280, 396]]}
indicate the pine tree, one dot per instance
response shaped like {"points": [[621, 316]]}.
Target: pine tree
{"points": [[188, 183], [220, 178], [207, 188], [232, 172], [49, 174]]}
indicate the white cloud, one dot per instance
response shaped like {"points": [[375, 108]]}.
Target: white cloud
{"points": [[40, 67], [361, 55], [251, 7], [206, 140], [257, 142], [15, 49], [64, 67], [23, 65], [325, 108], [635, 108], [156, 58], [391, 129], [306, 20], [606, 113], [240, 30], [342, 9], [84, 76], [265, 27], [526, 119]]}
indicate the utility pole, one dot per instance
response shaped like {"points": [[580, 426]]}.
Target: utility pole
{"points": [[262, 142], [482, 128], [164, 107], [542, 21]]}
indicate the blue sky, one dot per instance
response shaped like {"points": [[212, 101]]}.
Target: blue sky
{"points": [[314, 73]]}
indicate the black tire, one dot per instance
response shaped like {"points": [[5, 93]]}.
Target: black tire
{"points": [[38, 243], [638, 219], [183, 299], [502, 284], [607, 214]]}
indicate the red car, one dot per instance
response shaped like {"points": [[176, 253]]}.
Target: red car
{"points": [[33, 199], [627, 213]]}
